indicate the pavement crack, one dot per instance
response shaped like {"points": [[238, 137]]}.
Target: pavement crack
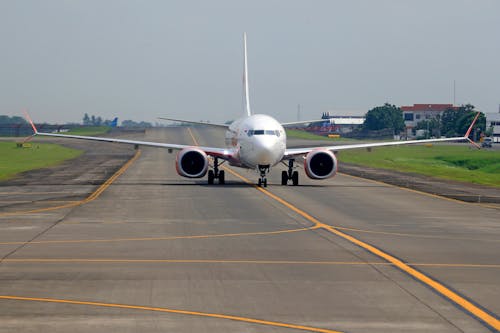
{"points": [[41, 233]]}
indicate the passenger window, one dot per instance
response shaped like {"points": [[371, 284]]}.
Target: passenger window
{"points": [[258, 132], [250, 133]]}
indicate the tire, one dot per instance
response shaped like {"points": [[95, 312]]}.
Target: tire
{"points": [[265, 182], [211, 177], [284, 177], [295, 178], [260, 182], [222, 178]]}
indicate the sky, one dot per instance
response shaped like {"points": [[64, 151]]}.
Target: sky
{"points": [[140, 60]]}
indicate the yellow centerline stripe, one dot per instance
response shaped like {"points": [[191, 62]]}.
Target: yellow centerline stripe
{"points": [[164, 238], [167, 310], [440, 288], [90, 198], [239, 235], [192, 136], [235, 261]]}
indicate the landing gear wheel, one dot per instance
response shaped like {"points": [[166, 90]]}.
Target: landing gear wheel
{"points": [[222, 179], [211, 177], [263, 169], [284, 177], [295, 178]]}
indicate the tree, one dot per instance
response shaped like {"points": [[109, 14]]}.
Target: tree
{"points": [[455, 122], [98, 121], [386, 116], [86, 119], [12, 120], [432, 126]]}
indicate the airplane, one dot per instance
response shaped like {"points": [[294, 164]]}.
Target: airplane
{"points": [[255, 141]]}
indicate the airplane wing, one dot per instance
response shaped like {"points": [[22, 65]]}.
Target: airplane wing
{"points": [[226, 154], [302, 122], [195, 122], [293, 152]]}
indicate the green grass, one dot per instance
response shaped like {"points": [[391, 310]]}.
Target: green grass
{"points": [[460, 163], [14, 160], [298, 134], [89, 130]]}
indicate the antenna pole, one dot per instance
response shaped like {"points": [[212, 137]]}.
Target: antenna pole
{"points": [[454, 93]]}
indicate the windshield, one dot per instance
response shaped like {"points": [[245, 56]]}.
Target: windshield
{"points": [[263, 132]]}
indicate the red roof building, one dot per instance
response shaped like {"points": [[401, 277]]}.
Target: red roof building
{"points": [[412, 115]]}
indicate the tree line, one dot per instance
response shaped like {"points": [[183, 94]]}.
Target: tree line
{"points": [[453, 122], [6, 120]]}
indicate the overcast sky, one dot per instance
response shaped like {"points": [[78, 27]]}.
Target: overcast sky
{"points": [[144, 59]]}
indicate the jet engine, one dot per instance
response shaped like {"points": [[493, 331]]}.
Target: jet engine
{"points": [[320, 164], [191, 163]]}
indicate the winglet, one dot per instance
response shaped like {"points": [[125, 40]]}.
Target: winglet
{"points": [[472, 125], [466, 136], [27, 116]]}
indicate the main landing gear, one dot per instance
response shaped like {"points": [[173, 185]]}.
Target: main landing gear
{"points": [[216, 173], [290, 174], [263, 169]]}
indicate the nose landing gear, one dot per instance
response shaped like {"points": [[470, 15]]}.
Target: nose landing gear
{"points": [[263, 169], [216, 173], [290, 174]]}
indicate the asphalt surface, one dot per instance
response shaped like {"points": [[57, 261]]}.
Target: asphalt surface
{"points": [[155, 252]]}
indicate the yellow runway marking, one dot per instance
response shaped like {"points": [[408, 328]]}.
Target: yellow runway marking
{"points": [[167, 310], [230, 261], [164, 238], [192, 136], [438, 287], [90, 198]]}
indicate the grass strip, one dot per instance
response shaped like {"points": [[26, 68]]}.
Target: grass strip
{"points": [[298, 134], [14, 160], [89, 130], [455, 162]]}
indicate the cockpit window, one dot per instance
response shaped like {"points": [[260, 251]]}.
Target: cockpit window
{"points": [[263, 132]]}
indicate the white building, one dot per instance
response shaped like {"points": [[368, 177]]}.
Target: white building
{"points": [[493, 121]]}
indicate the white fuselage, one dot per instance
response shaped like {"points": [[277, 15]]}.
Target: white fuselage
{"points": [[258, 139]]}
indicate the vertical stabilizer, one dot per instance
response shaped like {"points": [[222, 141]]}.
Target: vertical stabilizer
{"points": [[245, 77]]}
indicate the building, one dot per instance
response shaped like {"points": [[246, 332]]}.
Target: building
{"points": [[341, 124], [493, 122], [412, 115]]}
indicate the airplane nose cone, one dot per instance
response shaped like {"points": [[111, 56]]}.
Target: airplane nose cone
{"points": [[266, 148]]}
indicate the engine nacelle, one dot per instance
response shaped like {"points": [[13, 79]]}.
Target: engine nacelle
{"points": [[191, 163], [320, 164]]}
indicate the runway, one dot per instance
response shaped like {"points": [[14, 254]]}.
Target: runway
{"points": [[151, 251]]}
